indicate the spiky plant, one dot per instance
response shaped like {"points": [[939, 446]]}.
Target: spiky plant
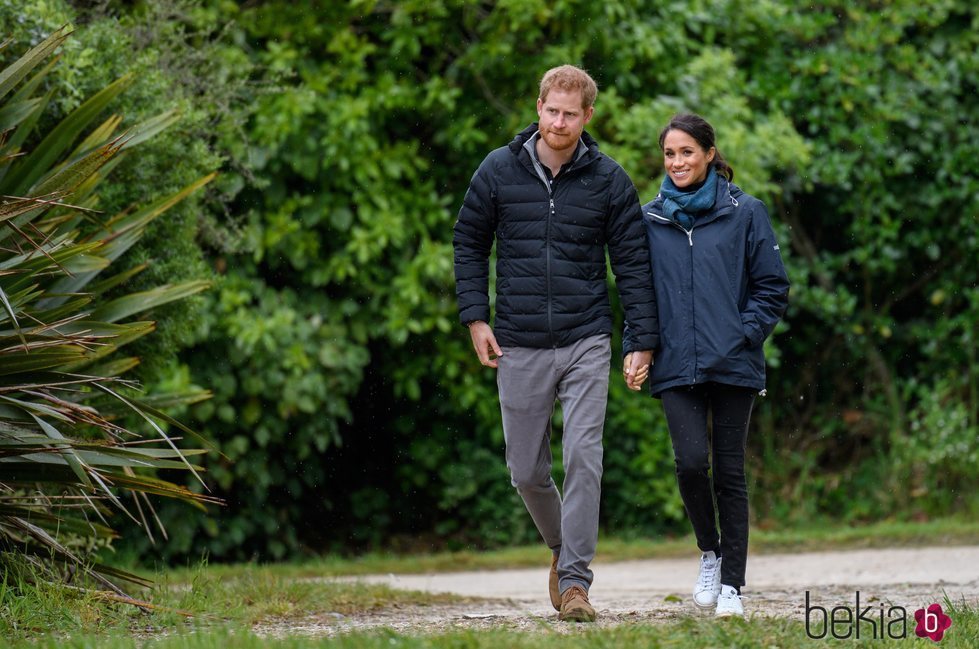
{"points": [[67, 459]]}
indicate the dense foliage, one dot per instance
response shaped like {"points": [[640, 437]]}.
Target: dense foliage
{"points": [[67, 458], [348, 404]]}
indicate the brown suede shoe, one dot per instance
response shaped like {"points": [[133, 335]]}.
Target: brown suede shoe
{"points": [[552, 586], [575, 606]]}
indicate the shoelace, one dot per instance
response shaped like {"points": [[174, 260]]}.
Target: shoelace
{"points": [[707, 571], [575, 592]]}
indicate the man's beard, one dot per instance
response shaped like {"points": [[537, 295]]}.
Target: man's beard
{"points": [[558, 142]]}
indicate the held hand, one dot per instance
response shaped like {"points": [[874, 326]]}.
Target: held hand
{"points": [[484, 342], [635, 368]]}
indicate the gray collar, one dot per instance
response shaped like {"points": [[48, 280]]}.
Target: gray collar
{"points": [[531, 146]]}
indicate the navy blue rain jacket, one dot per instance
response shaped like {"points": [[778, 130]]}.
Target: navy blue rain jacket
{"points": [[720, 290]]}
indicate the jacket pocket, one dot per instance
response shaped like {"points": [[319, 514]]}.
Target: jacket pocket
{"points": [[753, 334]]}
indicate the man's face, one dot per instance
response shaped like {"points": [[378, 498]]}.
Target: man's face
{"points": [[562, 118]]}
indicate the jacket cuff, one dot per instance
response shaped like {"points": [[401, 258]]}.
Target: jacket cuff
{"points": [[753, 334], [472, 314], [648, 342]]}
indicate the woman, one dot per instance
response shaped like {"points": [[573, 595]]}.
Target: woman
{"points": [[720, 290]]}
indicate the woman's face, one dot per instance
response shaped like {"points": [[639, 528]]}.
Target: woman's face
{"points": [[685, 160]]}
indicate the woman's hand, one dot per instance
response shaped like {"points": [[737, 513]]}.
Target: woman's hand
{"points": [[635, 368]]}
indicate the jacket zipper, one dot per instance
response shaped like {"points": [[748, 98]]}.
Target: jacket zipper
{"points": [[547, 247], [549, 187], [689, 232], [693, 315]]}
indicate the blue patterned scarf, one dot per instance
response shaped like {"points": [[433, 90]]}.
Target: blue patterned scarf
{"points": [[681, 207]]}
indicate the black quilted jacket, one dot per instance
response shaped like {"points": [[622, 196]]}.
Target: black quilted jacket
{"points": [[550, 258]]}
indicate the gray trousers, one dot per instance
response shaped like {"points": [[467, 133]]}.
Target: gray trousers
{"points": [[529, 381]]}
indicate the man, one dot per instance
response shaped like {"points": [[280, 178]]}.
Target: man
{"points": [[553, 203]]}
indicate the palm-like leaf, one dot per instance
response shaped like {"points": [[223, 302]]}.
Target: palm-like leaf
{"points": [[66, 461]]}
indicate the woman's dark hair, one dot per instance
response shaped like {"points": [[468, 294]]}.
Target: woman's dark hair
{"points": [[699, 129]]}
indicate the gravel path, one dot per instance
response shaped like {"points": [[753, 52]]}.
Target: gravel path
{"points": [[658, 590]]}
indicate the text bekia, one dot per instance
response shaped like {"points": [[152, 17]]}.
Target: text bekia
{"points": [[843, 622]]}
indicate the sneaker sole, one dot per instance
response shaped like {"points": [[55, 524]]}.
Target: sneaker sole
{"points": [[704, 607]]}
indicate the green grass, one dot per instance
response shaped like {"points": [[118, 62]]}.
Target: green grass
{"points": [[244, 595], [687, 633], [27, 608], [248, 594]]}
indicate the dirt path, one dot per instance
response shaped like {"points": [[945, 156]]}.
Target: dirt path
{"points": [[659, 590]]}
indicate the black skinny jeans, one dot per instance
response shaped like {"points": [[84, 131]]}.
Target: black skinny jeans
{"points": [[729, 410]]}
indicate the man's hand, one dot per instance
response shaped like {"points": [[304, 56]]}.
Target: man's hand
{"points": [[484, 342], [635, 368]]}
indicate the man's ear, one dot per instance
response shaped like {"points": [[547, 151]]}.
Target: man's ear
{"points": [[589, 113]]}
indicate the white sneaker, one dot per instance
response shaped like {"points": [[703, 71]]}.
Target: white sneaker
{"points": [[729, 603], [708, 584]]}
